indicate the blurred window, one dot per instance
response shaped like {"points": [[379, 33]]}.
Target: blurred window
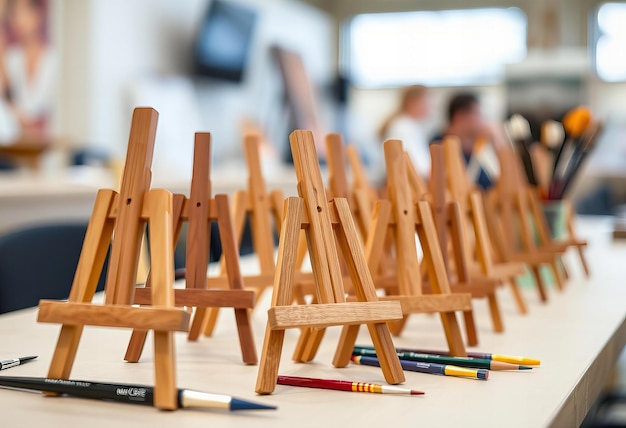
{"points": [[610, 42], [438, 48]]}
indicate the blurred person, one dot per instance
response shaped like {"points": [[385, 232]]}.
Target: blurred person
{"points": [[466, 121], [406, 124], [28, 65], [9, 128]]}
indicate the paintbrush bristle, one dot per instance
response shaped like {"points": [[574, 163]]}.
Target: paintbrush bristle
{"points": [[518, 128], [576, 121], [552, 134]]}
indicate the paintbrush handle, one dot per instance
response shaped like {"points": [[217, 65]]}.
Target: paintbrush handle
{"points": [[522, 149]]}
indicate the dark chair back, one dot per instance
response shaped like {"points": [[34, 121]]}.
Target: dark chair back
{"points": [[39, 263]]}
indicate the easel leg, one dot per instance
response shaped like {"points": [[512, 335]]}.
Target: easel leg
{"points": [[396, 327], [347, 340], [517, 295], [453, 334], [138, 337], [65, 352], [312, 345], [88, 270], [281, 295], [554, 267], [198, 324], [212, 315], [160, 206], [309, 340], [165, 394], [539, 282], [364, 289], [498, 325], [303, 339], [470, 328], [231, 256]]}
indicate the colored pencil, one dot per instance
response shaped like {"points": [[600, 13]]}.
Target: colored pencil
{"points": [[495, 357], [133, 394], [476, 363], [432, 368], [344, 385]]}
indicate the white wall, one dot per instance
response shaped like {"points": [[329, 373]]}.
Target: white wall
{"points": [[108, 47]]}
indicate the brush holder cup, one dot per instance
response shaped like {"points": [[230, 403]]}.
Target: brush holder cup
{"points": [[555, 213]]}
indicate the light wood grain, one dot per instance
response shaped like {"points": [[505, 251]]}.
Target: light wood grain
{"points": [[403, 212], [331, 314], [135, 183], [281, 295], [160, 205], [150, 318], [204, 298]]}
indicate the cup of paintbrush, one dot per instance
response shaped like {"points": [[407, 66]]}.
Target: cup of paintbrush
{"points": [[518, 130], [575, 123]]}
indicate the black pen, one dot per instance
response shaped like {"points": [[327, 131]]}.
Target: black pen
{"points": [[7, 364], [133, 394]]}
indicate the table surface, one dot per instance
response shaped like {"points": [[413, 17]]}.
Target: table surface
{"points": [[578, 336]]}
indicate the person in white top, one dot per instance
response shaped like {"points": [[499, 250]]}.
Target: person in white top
{"points": [[28, 66], [406, 124]]}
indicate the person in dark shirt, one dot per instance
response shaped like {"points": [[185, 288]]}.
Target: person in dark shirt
{"points": [[465, 121]]}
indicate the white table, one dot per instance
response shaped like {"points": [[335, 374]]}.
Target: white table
{"points": [[577, 335]]}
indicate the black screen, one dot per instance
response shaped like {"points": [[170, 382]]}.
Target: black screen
{"points": [[224, 40]]}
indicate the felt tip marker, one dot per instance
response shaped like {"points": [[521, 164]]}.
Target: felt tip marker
{"points": [[134, 394]]}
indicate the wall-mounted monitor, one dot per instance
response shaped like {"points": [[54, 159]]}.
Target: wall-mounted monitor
{"points": [[222, 46]]}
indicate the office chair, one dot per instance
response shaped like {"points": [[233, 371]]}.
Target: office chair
{"points": [[38, 263]]}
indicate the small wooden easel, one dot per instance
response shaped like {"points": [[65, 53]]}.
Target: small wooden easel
{"points": [[199, 210], [402, 217], [471, 204], [452, 228], [319, 219], [508, 209], [261, 207], [123, 216]]}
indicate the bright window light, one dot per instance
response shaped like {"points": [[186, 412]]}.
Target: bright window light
{"points": [[451, 47], [611, 42]]}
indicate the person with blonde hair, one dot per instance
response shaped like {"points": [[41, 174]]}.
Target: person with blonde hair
{"points": [[406, 124]]}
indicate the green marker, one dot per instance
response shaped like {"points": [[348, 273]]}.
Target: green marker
{"points": [[477, 363]]}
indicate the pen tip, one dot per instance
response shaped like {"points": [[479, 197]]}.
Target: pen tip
{"points": [[525, 368], [413, 392], [237, 404], [30, 357]]}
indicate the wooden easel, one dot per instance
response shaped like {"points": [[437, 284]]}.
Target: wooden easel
{"points": [[509, 214], [322, 221], [451, 228], [123, 216], [262, 208], [471, 204], [401, 217], [199, 210]]}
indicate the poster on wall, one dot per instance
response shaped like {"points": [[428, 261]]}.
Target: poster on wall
{"points": [[27, 69]]}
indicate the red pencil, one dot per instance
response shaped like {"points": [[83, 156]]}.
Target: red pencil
{"points": [[344, 385]]}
